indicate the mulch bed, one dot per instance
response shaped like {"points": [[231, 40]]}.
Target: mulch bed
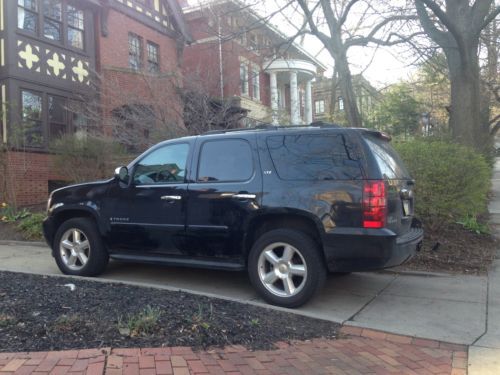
{"points": [[40, 313], [459, 251]]}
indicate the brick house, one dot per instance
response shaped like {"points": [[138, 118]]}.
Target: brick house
{"points": [[59, 55], [329, 105], [242, 59]]}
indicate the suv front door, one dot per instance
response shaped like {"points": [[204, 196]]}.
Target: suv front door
{"points": [[225, 192], [148, 216]]}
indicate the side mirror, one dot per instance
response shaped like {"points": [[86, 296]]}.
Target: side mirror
{"points": [[121, 174]]}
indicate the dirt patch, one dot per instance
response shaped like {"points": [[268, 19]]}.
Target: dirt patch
{"points": [[40, 313], [459, 251], [10, 232]]}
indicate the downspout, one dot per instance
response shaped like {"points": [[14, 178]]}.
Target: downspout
{"points": [[221, 69]]}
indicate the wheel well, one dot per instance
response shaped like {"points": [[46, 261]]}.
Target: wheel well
{"points": [[61, 217], [263, 224]]}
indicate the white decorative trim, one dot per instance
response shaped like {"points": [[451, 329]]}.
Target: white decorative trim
{"points": [[2, 52], [4, 113]]}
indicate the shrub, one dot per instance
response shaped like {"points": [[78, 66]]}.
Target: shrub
{"points": [[80, 159], [31, 226], [452, 181]]}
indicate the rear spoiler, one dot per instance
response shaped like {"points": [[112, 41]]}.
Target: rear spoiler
{"points": [[378, 134]]}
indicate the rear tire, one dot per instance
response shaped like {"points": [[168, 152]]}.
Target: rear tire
{"points": [[78, 248], [286, 267]]}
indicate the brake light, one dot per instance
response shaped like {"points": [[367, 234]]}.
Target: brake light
{"points": [[374, 204]]}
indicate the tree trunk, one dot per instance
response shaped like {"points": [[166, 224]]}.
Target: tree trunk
{"points": [[465, 112], [346, 89]]}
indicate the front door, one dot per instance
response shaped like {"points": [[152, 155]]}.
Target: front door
{"points": [[148, 216], [225, 192]]}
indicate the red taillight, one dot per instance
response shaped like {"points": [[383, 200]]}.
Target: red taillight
{"points": [[374, 204]]}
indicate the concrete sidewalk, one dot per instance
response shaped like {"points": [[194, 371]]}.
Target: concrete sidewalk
{"points": [[484, 354], [432, 306]]}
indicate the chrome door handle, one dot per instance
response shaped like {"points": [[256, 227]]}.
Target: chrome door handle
{"points": [[244, 196], [171, 197]]}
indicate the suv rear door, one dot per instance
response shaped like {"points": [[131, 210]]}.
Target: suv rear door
{"points": [[400, 198], [225, 189]]}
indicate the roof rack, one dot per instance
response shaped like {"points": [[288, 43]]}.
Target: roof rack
{"points": [[267, 126]]}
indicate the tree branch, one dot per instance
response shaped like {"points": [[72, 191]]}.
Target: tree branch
{"points": [[325, 39], [490, 17], [363, 41], [442, 38], [443, 17], [346, 11]]}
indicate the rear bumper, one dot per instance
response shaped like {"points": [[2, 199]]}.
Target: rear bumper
{"points": [[353, 249]]}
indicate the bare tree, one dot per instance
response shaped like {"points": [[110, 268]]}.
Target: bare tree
{"points": [[341, 25], [456, 26]]}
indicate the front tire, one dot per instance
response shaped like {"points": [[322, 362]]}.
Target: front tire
{"points": [[78, 248], [286, 268]]}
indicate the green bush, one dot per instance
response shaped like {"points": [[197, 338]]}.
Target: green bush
{"points": [[87, 158], [31, 226], [452, 181]]}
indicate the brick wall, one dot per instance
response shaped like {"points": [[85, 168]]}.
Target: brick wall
{"points": [[27, 177]]}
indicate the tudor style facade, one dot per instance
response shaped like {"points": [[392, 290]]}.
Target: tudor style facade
{"points": [[57, 56]]}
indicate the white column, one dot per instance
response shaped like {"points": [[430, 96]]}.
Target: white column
{"points": [[274, 97], [309, 114], [294, 99]]}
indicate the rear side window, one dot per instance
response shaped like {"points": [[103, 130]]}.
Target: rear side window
{"points": [[312, 157], [228, 160], [390, 164]]}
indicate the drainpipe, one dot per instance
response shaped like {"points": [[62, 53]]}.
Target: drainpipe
{"points": [[221, 70]]}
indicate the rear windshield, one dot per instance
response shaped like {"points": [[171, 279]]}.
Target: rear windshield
{"points": [[390, 164], [313, 157]]}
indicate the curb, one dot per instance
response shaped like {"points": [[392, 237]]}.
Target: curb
{"points": [[400, 339], [23, 243]]}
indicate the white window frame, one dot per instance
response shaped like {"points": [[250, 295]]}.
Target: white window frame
{"points": [[244, 78], [256, 83], [319, 106]]}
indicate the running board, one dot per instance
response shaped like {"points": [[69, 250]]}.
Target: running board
{"points": [[171, 261]]}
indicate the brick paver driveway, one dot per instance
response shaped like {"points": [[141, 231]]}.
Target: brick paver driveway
{"points": [[355, 352]]}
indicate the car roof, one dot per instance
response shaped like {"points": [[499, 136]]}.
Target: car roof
{"points": [[279, 129]]}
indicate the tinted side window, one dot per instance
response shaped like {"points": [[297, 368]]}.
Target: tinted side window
{"points": [[390, 164], [228, 160], [312, 157], [166, 165]]}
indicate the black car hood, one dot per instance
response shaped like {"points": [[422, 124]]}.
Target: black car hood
{"points": [[89, 192]]}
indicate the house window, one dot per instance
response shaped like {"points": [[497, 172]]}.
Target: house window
{"points": [[256, 84], [252, 41], [58, 122], [75, 27], [242, 37], [59, 19], [52, 19], [31, 104], [341, 103], [27, 15], [134, 51], [153, 58], [244, 79], [319, 106]]}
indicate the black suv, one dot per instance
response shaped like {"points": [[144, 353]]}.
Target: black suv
{"points": [[287, 204]]}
